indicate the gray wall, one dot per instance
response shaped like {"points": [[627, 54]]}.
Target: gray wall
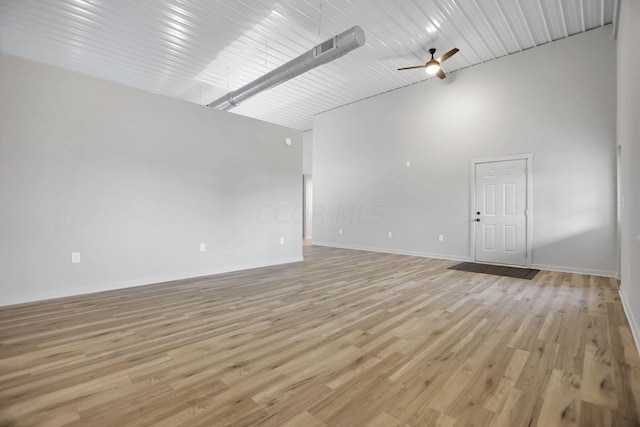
{"points": [[134, 182], [307, 152], [555, 101], [629, 139]]}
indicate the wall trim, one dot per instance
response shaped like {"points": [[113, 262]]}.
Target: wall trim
{"points": [[635, 329], [392, 251], [562, 269], [69, 292]]}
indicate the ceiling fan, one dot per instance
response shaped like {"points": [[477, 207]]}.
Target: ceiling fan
{"points": [[433, 65]]}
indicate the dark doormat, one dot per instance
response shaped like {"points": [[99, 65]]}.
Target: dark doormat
{"points": [[496, 270]]}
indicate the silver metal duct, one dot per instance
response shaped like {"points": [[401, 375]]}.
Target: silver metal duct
{"points": [[325, 52]]}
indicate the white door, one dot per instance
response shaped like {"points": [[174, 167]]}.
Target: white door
{"points": [[501, 212]]}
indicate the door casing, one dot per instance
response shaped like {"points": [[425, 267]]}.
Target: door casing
{"points": [[529, 217]]}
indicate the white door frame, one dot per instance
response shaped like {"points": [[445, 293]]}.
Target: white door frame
{"points": [[529, 212], [307, 206]]}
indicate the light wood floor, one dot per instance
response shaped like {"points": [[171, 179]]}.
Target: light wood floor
{"points": [[347, 338]]}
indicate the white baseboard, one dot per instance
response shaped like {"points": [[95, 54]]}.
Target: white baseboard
{"points": [[561, 269], [635, 330], [60, 293], [393, 251]]}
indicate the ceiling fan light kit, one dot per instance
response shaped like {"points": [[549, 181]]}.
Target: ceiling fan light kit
{"points": [[432, 67]]}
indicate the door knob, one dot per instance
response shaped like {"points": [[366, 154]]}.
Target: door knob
{"points": [[477, 220], [478, 213]]}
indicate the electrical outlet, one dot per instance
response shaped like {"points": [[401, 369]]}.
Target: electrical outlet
{"points": [[441, 237], [408, 163], [389, 234], [340, 231], [203, 247], [282, 240], [75, 257]]}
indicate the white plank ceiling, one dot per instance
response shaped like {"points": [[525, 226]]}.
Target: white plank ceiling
{"points": [[198, 50]]}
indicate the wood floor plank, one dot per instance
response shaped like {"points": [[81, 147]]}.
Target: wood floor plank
{"points": [[561, 403], [304, 419], [496, 399], [345, 338], [598, 378]]}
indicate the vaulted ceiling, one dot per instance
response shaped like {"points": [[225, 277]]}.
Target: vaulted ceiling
{"points": [[198, 50]]}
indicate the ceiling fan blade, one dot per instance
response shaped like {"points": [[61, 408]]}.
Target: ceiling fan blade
{"points": [[448, 55], [441, 74], [411, 68]]}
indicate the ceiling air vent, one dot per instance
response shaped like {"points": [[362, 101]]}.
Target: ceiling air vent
{"points": [[325, 47]]}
